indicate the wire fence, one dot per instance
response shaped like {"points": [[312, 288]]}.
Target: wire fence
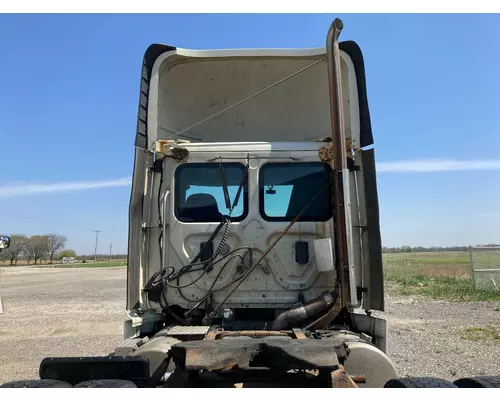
{"points": [[485, 266]]}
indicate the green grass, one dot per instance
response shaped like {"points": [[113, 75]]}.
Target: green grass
{"points": [[444, 275], [478, 333]]}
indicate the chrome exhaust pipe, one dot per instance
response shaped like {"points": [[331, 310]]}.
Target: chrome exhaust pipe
{"points": [[339, 162]]}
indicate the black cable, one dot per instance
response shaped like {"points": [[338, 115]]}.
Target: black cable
{"points": [[208, 264], [186, 284], [160, 237], [184, 269], [210, 239], [292, 222], [205, 271], [151, 283], [210, 290], [222, 269]]}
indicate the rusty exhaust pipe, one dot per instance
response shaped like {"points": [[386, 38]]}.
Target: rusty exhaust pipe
{"points": [[339, 161]]}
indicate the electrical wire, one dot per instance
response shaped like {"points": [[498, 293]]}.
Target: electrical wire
{"points": [[205, 270], [210, 290], [160, 236], [283, 233], [207, 264]]}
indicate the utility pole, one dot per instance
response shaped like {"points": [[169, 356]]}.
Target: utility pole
{"points": [[95, 251], [110, 247]]}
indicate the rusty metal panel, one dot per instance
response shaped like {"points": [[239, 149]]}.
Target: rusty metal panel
{"points": [[254, 334], [270, 352]]}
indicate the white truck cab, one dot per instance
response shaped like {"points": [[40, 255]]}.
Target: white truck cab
{"points": [[232, 212]]}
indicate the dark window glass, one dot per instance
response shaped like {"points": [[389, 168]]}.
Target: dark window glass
{"points": [[286, 188], [199, 194]]}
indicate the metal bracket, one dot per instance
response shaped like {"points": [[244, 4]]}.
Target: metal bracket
{"points": [[145, 227], [340, 379], [363, 228], [299, 334]]}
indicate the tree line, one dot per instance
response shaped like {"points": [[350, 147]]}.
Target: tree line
{"points": [[36, 248], [90, 257], [419, 249]]}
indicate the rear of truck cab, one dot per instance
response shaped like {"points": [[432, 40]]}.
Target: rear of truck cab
{"points": [[180, 88]]}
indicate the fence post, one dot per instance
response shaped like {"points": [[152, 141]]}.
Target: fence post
{"points": [[472, 268]]}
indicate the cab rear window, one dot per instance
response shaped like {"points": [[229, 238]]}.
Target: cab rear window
{"points": [[286, 188], [199, 193]]}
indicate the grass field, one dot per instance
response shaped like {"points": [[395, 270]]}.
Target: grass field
{"points": [[440, 275]]}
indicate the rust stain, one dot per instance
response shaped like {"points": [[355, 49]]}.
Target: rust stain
{"points": [[340, 379], [255, 333], [325, 153], [321, 230], [348, 144], [358, 378], [227, 368], [299, 334], [212, 334]]}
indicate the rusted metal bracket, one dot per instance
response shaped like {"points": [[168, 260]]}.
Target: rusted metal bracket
{"points": [[340, 379], [299, 333], [212, 333]]}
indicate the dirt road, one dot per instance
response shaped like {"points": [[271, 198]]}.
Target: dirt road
{"points": [[79, 312]]}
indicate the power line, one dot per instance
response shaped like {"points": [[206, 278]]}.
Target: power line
{"points": [[95, 251]]}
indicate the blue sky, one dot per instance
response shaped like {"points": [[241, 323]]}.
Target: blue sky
{"points": [[68, 106]]}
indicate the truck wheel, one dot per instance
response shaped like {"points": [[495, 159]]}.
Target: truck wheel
{"points": [[43, 383], [420, 382], [479, 382], [106, 383]]}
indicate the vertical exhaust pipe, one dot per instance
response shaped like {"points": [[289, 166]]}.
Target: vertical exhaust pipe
{"points": [[339, 162]]}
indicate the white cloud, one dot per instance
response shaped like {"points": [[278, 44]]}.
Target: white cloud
{"points": [[437, 165], [15, 189], [28, 189], [489, 215]]}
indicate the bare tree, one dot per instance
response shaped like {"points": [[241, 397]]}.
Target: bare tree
{"points": [[37, 247], [29, 250], [17, 247], [54, 244]]}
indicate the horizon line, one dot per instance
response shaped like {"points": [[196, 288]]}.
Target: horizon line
{"points": [[403, 166]]}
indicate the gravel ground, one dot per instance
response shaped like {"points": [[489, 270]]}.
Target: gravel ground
{"points": [[58, 312], [426, 337], [79, 312]]}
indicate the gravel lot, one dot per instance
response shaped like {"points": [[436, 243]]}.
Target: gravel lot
{"points": [[79, 312]]}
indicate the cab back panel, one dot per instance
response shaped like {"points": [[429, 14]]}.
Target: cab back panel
{"points": [[278, 279]]}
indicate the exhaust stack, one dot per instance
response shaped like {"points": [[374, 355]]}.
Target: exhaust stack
{"points": [[339, 161]]}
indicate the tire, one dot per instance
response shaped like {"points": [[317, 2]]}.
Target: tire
{"points": [[479, 382], [106, 383], [420, 382], [43, 383]]}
